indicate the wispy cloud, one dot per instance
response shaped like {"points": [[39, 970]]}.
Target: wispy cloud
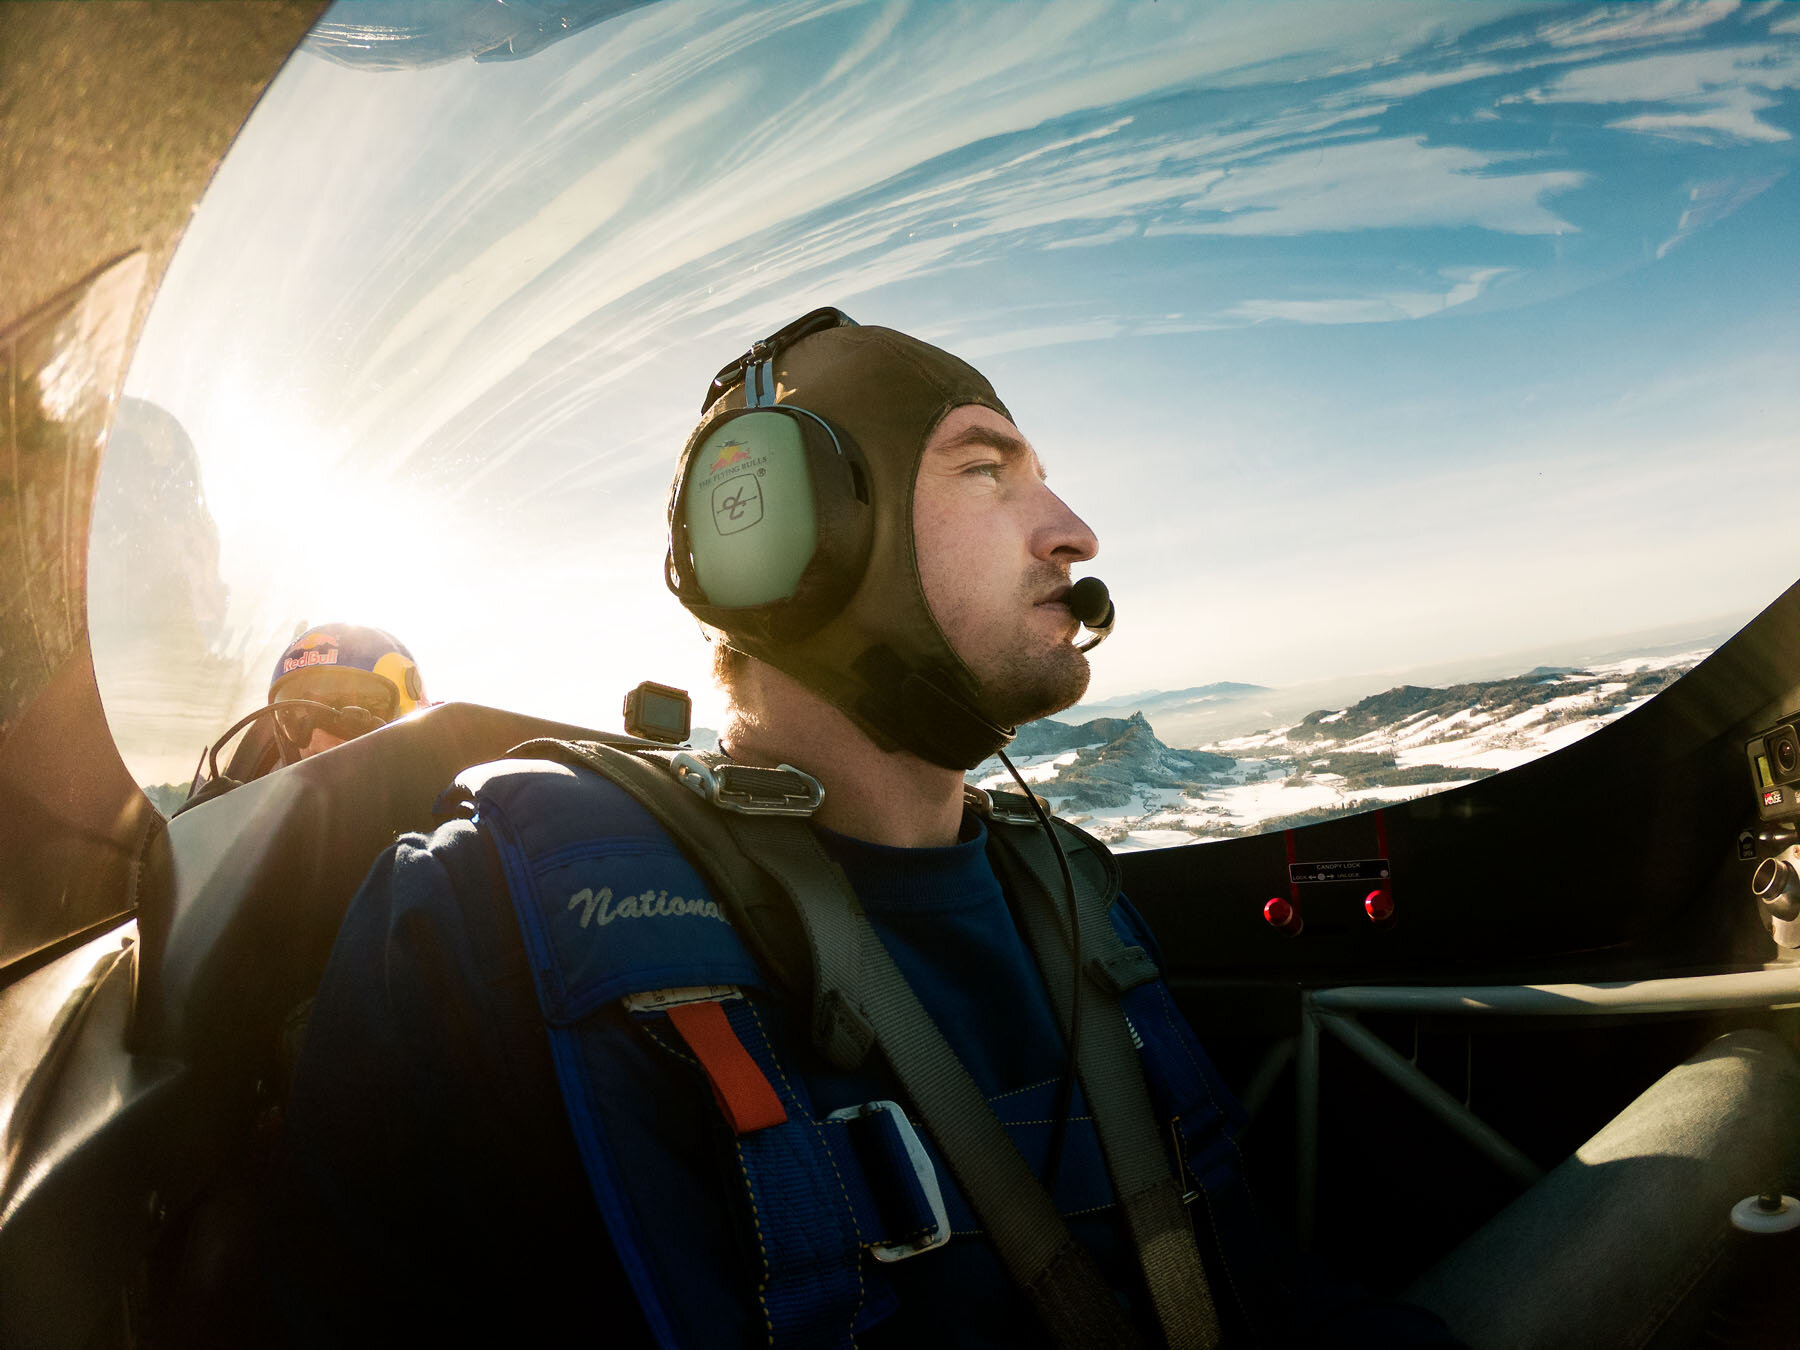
{"points": [[1724, 116], [1712, 201], [1358, 186], [1464, 285], [1625, 24], [1707, 95]]}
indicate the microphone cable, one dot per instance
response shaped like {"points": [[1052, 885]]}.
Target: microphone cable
{"points": [[1065, 1087], [1092, 606]]}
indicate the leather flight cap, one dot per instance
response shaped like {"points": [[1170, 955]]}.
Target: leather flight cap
{"points": [[882, 657]]}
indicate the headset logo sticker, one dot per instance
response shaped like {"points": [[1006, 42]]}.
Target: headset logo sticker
{"points": [[737, 504], [732, 452]]}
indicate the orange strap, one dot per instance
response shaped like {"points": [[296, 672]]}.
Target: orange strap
{"points": [[739, 1086]]}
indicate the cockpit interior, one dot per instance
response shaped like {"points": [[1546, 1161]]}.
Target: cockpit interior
{"points": [[447, 393]]}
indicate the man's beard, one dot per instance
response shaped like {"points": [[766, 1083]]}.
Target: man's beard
{"points": [[1029, 686]]}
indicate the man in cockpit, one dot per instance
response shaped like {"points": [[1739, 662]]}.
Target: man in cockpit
{"points": [[806, 1043], [332, 683], [337, 668]]}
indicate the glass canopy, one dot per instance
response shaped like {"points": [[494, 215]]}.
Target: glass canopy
{"points": [[1380, 344]]}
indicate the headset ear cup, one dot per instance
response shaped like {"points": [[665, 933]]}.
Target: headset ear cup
{"points": [[844, 527], [769, 522]]}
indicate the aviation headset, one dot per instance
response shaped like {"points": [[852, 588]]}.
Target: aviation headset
{"points": [[775, 518], [770, 522]]}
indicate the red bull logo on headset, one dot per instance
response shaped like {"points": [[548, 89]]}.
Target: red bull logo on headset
{"points": [[732, 452]]}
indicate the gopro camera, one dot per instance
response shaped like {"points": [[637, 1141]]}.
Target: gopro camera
{"points": [[658, 712], [1774, 759]]}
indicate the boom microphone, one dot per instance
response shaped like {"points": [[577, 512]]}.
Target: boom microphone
{"points": [[1089, 602]]}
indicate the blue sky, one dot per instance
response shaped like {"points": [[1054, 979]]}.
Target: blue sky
{"points": [[1367, 336]]}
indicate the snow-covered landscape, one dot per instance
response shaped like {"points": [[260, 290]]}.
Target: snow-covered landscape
{"points": [[1117, 779]]}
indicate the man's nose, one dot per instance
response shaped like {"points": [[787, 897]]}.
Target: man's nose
{"points": [[1064, 535]]}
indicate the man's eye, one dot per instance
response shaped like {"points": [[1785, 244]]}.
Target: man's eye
{"points": [[989, 467]]}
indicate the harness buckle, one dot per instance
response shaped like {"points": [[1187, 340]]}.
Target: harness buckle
{"points": [[749, 790], [923, 1172], [1009, 808]]}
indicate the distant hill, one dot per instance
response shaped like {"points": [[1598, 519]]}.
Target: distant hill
{"points": [[1196, 715], [1486, 702], [1119, 779], [1167, 698], [1046, 736], [1104, 763], [1127, 765], [166, 797]]}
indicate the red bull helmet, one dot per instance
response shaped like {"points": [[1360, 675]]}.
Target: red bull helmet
{"points": [[344, 663]]}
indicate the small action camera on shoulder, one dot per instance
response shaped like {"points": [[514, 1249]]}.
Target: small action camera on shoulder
{"points": [[659, 712]]}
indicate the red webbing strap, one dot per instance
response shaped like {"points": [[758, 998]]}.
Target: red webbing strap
{"points": [[743, 1093]]}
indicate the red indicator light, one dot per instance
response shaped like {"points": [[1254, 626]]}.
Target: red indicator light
{"points": [[1282, 915], [1379, 905]]}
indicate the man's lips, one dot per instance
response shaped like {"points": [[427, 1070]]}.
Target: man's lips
{"points": [[1057, 603]]}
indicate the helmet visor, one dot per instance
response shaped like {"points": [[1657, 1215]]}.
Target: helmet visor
{"points": [[342, 688]]}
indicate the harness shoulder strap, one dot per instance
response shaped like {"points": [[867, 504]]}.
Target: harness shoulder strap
{"points": [[1109, 1068], [1053, 1270], [1247, 1261]]}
